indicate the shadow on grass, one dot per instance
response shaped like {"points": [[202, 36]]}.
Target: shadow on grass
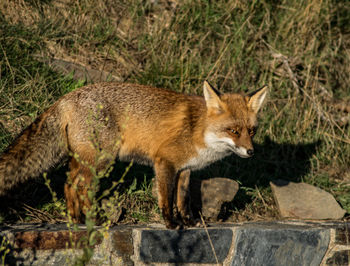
{"points": [[271, 161]]}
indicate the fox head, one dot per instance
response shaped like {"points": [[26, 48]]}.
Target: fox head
{"points": [[232, 120]]}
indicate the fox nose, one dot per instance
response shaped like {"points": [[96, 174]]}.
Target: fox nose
{"points": [[250, 152]]}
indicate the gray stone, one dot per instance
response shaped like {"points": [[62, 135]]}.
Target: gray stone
{"points": [[304, 201], [280, 246], [214, 192], [184, 246]]}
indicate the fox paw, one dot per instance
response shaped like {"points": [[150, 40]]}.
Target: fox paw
{"points": [[199, 223], [172, 224], [188, 221]]}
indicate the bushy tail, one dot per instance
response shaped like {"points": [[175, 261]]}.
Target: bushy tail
{"points": [[36, 150]]}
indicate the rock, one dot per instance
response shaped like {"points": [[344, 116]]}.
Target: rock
{"points": [[342, 234], [304, 201], [339, 258], [282, 245], [213, 193], [56, 244], [184, 246], [208, 195], [80, 72]]}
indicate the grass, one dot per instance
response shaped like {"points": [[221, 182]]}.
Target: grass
{"points": [[300, 49]]}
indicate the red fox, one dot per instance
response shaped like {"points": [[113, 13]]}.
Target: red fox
{"points": [[173, 132]]}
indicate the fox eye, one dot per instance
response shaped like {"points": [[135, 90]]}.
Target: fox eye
{"points": [[252, 131], [233, 131]]}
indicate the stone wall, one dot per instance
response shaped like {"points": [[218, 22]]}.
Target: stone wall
{"points": [[255, 243]]}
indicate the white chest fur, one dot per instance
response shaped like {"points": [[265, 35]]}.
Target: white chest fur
{"points": [[215, 150]]}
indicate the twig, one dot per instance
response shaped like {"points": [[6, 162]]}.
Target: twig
{"points": [[261, 198], [211, 243], [291, 74], [294, 80], [338, 138], [39, 215]]}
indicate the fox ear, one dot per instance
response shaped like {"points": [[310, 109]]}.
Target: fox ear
{"points": [[212, 97], [256, 99]]}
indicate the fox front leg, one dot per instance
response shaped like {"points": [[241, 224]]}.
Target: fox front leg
{"points": [[166, 181], [183, 198]]}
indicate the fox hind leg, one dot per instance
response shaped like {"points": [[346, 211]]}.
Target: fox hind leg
{"points": [[70, 192], [76, 190]]}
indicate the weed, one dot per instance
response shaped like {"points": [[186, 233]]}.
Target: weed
{"points": [[4, 249]]}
